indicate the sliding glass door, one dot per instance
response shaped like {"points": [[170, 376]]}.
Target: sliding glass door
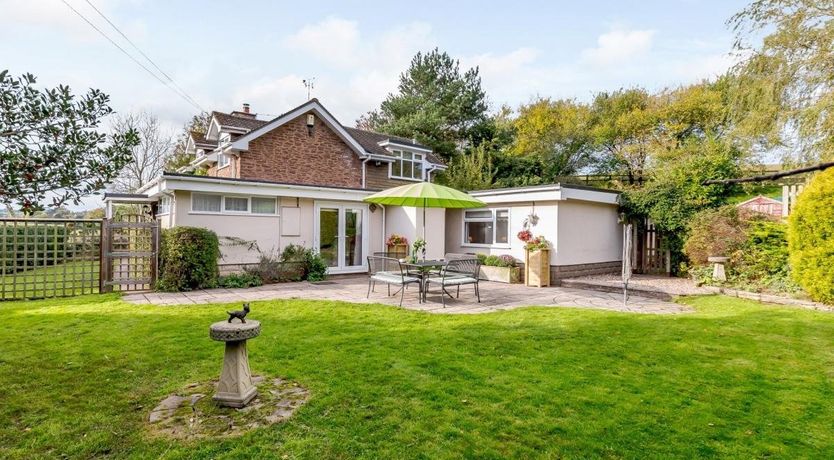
{"points": [[342, 236]]}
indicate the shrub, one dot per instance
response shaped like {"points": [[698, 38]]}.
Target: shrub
{"points": [[762, 261], [268, 269], [188, 259], [316, 267], [295, 263], [811, 238], [481, 258], [505, 260], [239, 280], [714, 232]]}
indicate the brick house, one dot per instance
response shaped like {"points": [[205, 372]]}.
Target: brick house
{"points": [[300, 178]]}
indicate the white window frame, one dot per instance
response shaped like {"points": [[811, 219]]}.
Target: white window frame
{"points": [[273, 213], [165, 204], [398, 153], [223, 210], [226, 211], [493, 220], [194, 211], [223, 160]]}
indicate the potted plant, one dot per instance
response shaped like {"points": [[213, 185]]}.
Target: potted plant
{"points": [[397, 246], [419, 247], [503, 269], [536, 261]]}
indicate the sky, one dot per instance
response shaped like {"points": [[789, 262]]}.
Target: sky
{"points": [[224, 53]]}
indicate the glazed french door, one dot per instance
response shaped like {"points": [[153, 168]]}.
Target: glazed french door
{"points": [[342, 236]]}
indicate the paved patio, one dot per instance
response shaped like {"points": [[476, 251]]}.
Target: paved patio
{"points": [[494, 297]]}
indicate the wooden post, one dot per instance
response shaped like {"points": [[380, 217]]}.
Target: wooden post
{"points": [[104, 258]]}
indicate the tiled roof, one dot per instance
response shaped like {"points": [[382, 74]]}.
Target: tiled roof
{"points": [[230, 120], [200, 139], [370, 140]]}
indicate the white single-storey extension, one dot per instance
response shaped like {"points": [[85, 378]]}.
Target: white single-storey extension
{"points": [[581, 223]]}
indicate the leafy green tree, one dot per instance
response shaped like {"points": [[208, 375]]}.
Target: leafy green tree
{"points": [[623, 124], [674, 193], [783, 90], [180, 158], [556, 133], [50, 146], [810, 238], [436, 103], [472, 171]]}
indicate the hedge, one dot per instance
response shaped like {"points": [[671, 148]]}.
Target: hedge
{"points": [[811, 238], [188, 259]]}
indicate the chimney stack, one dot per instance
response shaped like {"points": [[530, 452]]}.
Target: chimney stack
{"points": [[245, 112]]}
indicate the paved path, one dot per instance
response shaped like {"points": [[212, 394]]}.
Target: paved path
{"points": [[494, 297]]}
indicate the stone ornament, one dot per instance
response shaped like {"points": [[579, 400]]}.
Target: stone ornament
{"points": [[235, 388]]}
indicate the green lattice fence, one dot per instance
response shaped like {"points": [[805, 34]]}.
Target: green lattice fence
{"points": [[42, 258]]}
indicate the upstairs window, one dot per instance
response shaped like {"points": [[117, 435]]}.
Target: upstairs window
{"points": [[486, 227], [222, 160], [408, 165]]}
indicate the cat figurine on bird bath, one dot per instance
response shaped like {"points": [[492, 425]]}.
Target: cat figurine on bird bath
{"points": [[239, 314]]}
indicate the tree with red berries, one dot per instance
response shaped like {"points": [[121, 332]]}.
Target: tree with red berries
{"points": [[51, 151]]}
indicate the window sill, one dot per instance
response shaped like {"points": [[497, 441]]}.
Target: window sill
{"points": [[486, 246], [406, 178], [231, 214]]}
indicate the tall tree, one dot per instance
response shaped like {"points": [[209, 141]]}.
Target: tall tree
{"points": [[50, 148], [198, 124], [436, 103], [554, 133], [623, 124], [784, 90], [148, 158]]}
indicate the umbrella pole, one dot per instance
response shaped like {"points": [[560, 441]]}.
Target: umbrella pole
{"points": [[424, 229]]}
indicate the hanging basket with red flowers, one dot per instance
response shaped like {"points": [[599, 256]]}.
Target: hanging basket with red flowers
{"points": [[525, 235]]}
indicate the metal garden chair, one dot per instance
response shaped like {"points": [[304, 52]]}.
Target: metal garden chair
{"points": [[457, 272], [390, 271]]}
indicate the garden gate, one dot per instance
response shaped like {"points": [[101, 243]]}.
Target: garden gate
{"points": [[129, 255], [649, 256]]}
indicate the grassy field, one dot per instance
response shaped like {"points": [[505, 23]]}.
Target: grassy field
{"points": [[72, 278], [736, 379]]}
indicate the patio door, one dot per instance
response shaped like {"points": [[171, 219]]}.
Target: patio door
{"points": [[341, 234]]}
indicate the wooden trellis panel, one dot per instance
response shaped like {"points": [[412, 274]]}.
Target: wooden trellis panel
{"points": [[129, 253], [42, 258]]}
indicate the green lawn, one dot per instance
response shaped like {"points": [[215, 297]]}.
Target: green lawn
{"points": [[735, 379]]}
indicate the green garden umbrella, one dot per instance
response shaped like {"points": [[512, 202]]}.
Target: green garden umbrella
{"points": [[425, 195]]}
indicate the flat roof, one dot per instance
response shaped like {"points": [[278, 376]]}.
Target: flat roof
{"points": [[555, 186]]}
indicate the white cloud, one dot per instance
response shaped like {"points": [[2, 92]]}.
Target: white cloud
{"points": [[56, 17], [618, 46], [333, 40]]}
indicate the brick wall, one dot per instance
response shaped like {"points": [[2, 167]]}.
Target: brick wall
{"points": [[289, 154], [560, 272], [232, 170]]}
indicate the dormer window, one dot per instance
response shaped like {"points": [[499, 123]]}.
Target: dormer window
{"points": [[408, 165], [225, 138]]}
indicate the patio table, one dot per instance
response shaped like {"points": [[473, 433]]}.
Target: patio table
{"points": [[423, 267]]}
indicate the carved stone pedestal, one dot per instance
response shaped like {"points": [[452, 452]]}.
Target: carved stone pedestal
{"points": [[718, 271], [235, 388]]}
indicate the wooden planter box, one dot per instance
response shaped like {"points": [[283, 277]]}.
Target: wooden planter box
{"points": [[509, 275], [537, 268], [398, 251]]}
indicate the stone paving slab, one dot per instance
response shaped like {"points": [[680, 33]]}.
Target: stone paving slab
{"points": [[494, 297]]}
